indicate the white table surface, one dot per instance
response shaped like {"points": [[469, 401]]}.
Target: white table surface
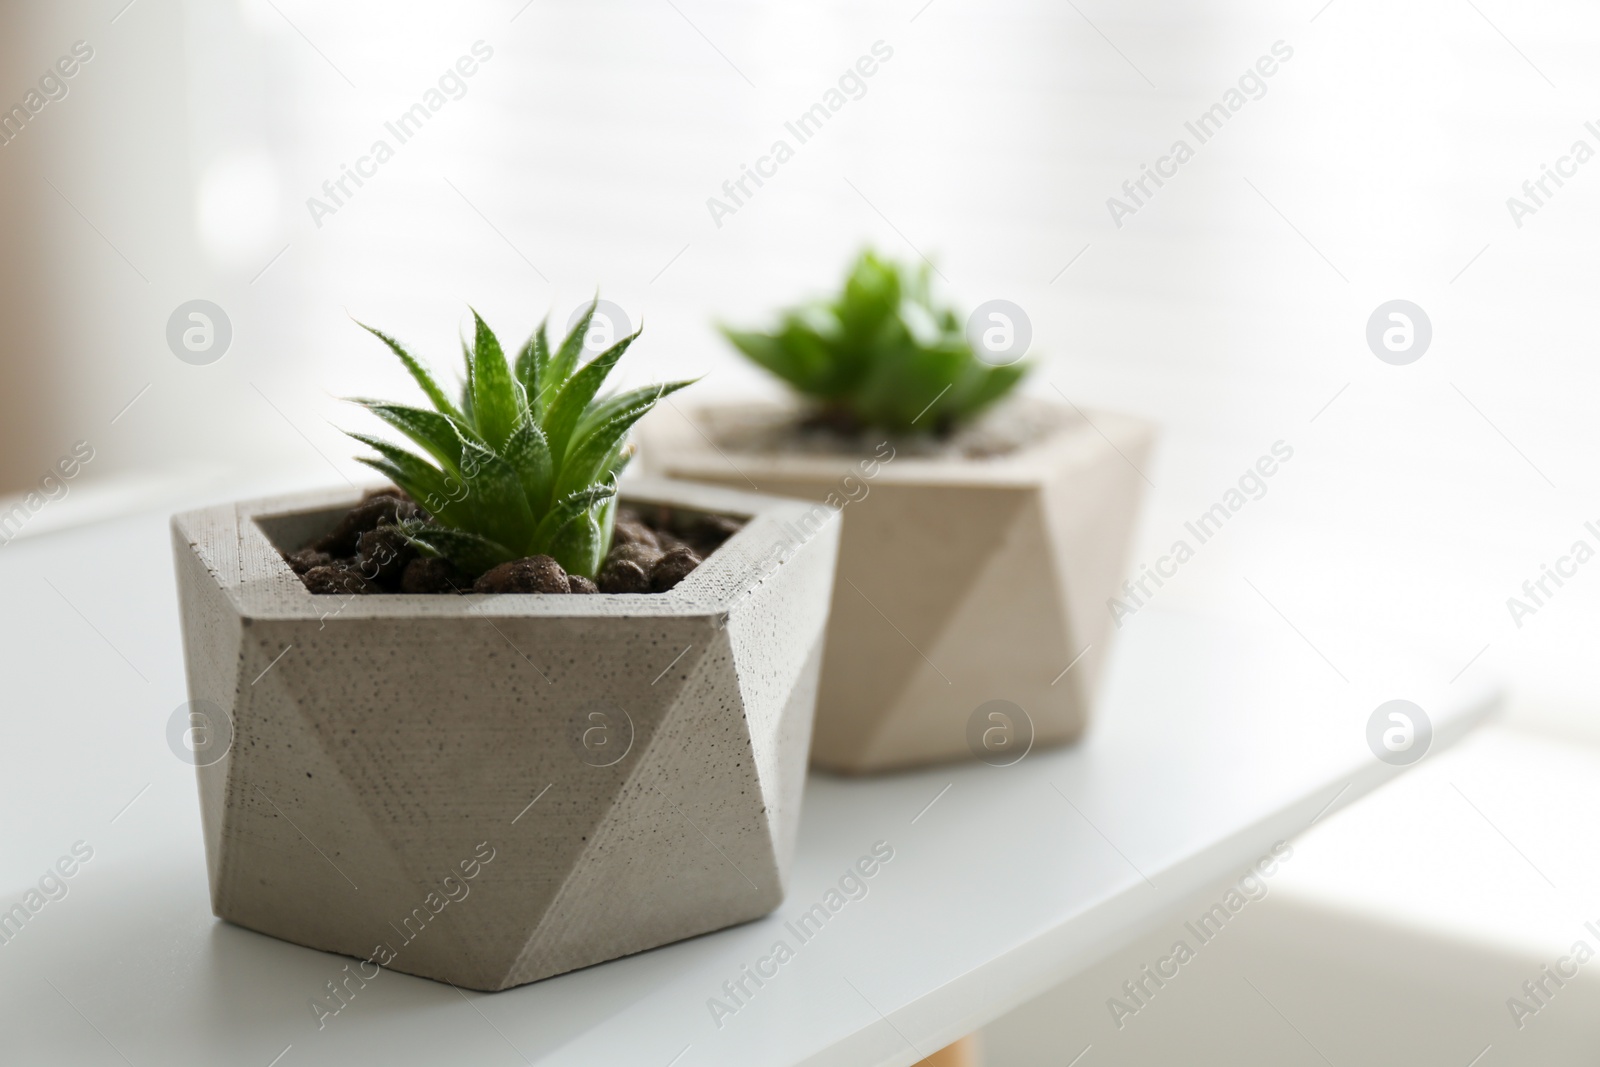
{"points": [[1212, 742]]}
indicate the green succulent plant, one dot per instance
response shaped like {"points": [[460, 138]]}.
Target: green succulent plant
{"points": [[882, 353], [526, 463]]}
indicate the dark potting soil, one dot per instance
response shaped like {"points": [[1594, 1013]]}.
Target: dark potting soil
{"points": [[652, 550]]}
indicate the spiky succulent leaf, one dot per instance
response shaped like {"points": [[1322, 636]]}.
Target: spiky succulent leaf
{"points": [[872, 296], [565, 360], [470, 552], [983, 390], [798, 357], [532, 370], [494, 397], [418, 372], [575, 395], [606, 515], [438, 434], [618, 461], [495, 497], [529, 455], [882, 352], [466, 386], [567, 509], [417, 490], [600, 411], [911, 385], [585, 461], [614, 465], [579, 545], [438, 493], [527, 463]]}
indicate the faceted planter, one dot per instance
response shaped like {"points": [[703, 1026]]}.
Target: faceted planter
{"points": [[491, 789], [963, 580]]}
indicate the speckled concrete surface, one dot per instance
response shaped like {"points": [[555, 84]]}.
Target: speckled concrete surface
{"points": [[961, 580], [631, 765]]}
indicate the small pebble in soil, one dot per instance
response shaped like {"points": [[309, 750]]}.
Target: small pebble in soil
{"points": [[633, 532], [577, 583], [344, 538], [708, 532], [383, 554], [432, 575], [643, 555], [338, 579], [670, 541], [624, 576], [307, 558], [672, 568], [533, 574]]}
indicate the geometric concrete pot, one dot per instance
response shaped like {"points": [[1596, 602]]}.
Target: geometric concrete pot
{"points": [[492, 789], [962, 581]]}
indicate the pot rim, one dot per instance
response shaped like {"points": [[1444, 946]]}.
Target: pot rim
{"points": [[686, 452]]}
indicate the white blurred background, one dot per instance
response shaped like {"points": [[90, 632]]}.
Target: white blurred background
{"points": [[1231, 308]]}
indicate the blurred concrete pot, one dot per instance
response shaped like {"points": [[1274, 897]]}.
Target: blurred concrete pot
{"points": [[488, 790], [969, 616]]}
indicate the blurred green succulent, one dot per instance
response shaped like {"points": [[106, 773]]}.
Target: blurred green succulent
{"points": [[526, 464], [881, 354]]}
